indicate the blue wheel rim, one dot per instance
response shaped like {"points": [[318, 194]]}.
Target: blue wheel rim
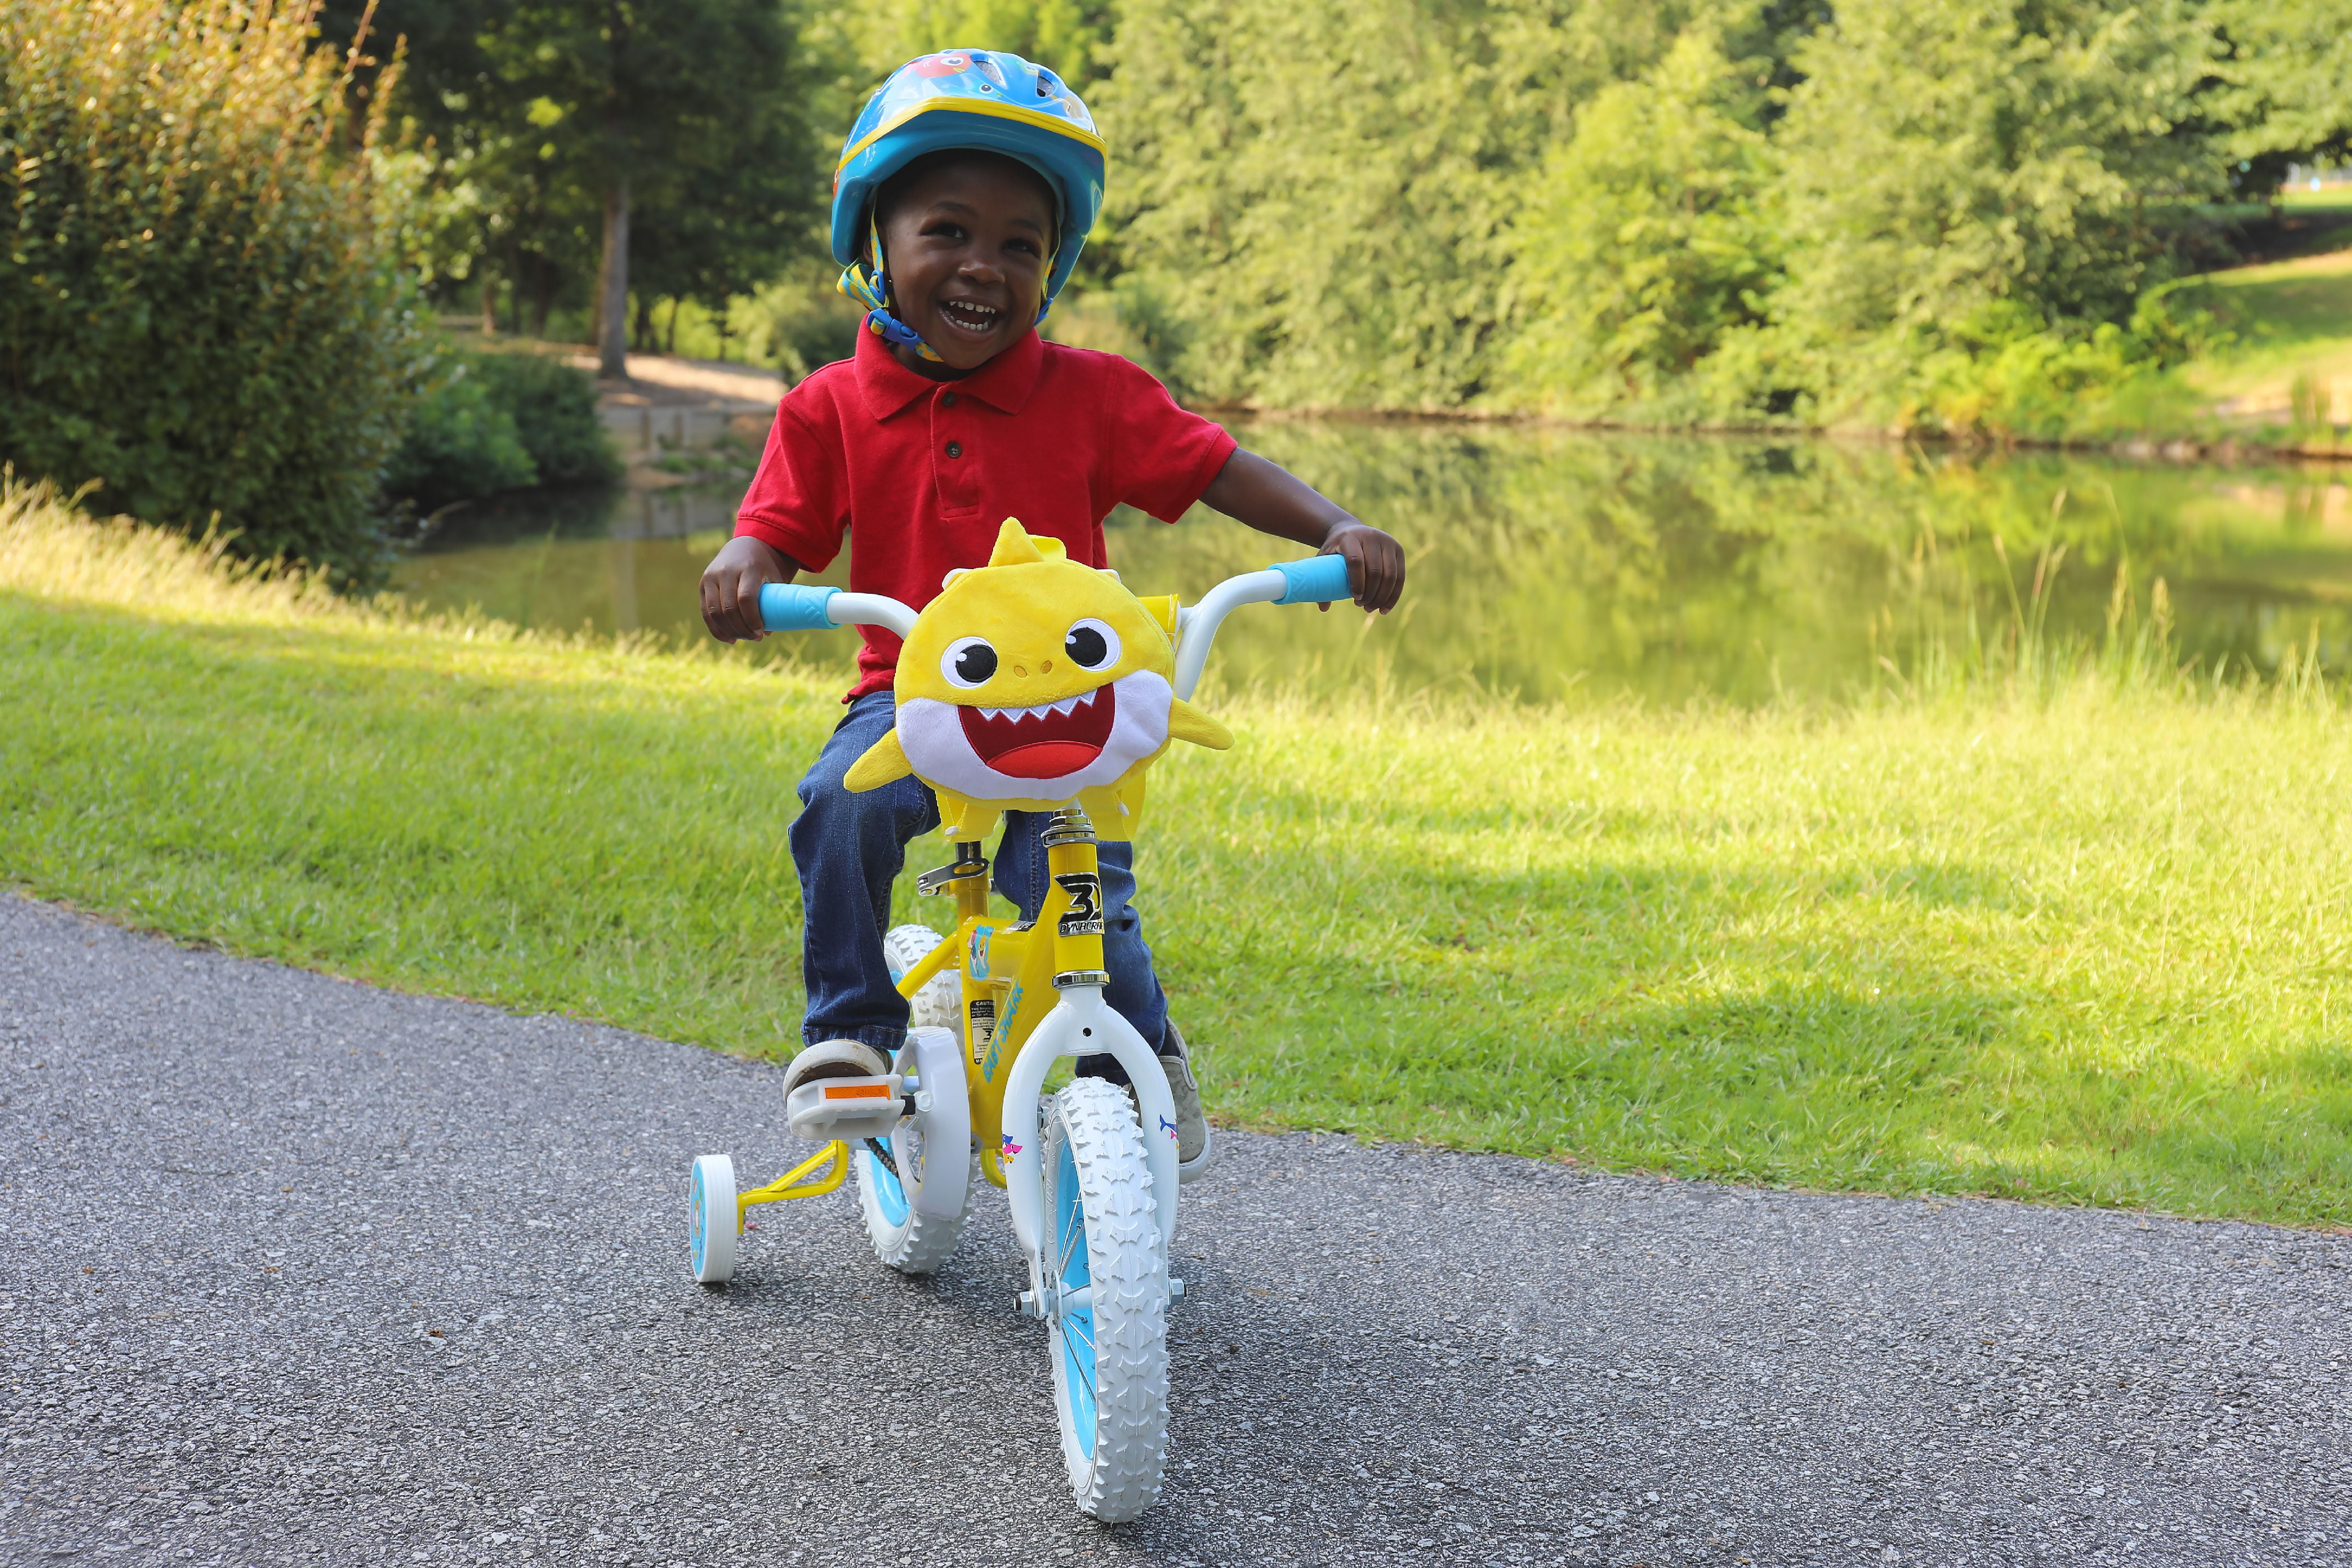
{"points": [[889, 1196], [695, 1202], [1071, 1273]]}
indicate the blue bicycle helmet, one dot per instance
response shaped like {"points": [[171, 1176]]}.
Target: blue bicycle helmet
{"points": [[982, 98]]}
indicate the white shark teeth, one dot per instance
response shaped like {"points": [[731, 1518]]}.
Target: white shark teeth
{"points": [[1067, 705]]}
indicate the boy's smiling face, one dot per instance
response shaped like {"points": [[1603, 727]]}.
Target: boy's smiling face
{"points": [[968, 239]]}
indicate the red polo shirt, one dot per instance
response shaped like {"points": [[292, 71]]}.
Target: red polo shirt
{"points": [[920, 474]]}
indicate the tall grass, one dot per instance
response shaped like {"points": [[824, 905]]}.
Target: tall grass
{"points": [[48, 548], [2055, 922]]}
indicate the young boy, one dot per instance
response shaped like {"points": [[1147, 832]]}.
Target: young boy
{"points": [[964, 196]]}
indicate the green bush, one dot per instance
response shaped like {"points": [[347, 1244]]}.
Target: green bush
{"points": [[462, 443], [553, 410], [492, 422], [203, 301]]}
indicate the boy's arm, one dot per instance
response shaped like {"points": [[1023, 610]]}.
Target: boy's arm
{"points": [[1272, 500], [731, 585]]}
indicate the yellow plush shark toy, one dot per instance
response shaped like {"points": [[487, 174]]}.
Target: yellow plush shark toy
{"points": [[1029, 683]]}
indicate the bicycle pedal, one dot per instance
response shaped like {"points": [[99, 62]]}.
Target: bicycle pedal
{"points": [[847, 1107]]}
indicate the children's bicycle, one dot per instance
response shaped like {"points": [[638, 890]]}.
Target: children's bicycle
{"points": [[1090, 1172]]}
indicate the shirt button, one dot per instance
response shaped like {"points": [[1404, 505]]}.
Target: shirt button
{"points": [[955, 448], [947, 400]]}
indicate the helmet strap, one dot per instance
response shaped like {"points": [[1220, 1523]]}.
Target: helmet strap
{"points": [[868, 283]]}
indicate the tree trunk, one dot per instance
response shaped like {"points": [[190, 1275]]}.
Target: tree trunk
{"points": [[643, 334], [612, 286], [489, 302], [542, 295], [670, 343]]}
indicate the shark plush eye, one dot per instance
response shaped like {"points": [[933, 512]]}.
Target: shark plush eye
{"points": [[968, 662], [1091, 645]]}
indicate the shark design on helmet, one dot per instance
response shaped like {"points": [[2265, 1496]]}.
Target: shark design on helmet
{"points": [[1029, 683]]}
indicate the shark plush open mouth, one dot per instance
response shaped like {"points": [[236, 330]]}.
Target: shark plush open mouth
{"points": [[1047, 742]]}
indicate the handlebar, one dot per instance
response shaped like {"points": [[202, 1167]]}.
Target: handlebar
{"points": [[814, 607], [1318, 580]]}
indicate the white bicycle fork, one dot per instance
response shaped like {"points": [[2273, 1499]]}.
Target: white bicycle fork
{"points": [[1083, 1024]]}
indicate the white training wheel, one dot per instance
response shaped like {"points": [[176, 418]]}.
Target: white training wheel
{"points": [[713, 1216]]}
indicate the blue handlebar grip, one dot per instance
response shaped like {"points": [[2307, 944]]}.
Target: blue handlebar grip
{"points": [[795, 607], [1316, 580]]}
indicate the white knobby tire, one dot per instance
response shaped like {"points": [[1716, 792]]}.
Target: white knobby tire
{"points": [[915, 1215], [710, 1219], [939, 1004], [1109, 1355]]}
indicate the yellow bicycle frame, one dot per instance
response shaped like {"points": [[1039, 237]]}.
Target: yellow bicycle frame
{"points": [[1011, 974]]}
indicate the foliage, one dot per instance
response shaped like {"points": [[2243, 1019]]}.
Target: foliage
{"points": [[492, 422], [538, 110], [800, 321], [1073, 36], [2287, 86], [2007, 373], [461, 442], [203, 308], [553, 410], [1942, 155], [1703, 214], [2071, 939], [1648, 235], [1967, 217], [1319, 193]]}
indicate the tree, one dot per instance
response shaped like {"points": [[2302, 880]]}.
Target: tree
{"points": [[1944, 157], [1073, 36], [669, 134], [2287, 96], [1309, 203], [652, 103], [1649, 234]]}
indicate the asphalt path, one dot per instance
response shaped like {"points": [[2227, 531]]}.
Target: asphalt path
{"points": [[297, 1271]]}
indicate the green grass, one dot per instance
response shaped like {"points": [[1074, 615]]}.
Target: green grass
{"points": [[2293, 321], [2077, 937]]}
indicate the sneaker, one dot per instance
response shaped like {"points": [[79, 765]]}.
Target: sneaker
{"points": [[1194, 1142]]}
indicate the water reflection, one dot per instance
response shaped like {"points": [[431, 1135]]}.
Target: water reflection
{"points": [[1547, 563]]}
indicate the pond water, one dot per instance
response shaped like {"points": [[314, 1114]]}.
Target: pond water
{"points": [[1550, 564]]}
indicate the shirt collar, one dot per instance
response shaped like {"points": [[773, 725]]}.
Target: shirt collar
{"points": [[1003, 383]]}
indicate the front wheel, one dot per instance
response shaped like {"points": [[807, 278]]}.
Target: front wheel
{"points": [[1107, 1305]]}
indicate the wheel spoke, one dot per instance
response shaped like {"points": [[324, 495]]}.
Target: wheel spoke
{"points": [[1085, 1335]]}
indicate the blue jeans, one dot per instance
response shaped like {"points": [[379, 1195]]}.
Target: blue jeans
{"points": [[849, 848]]}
